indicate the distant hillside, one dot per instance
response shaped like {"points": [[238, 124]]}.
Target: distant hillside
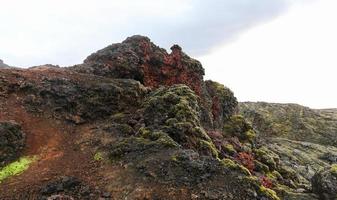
{"points": [[2, 64], [292, 121]]}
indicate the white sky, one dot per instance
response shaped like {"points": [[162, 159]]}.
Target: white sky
{"points": [[265, 50], [291, 59]]}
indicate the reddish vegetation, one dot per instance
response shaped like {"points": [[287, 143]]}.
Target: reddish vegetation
{"points": [[171, 71], [246, 160], [217, 138], [216, 107], [266, 182]]}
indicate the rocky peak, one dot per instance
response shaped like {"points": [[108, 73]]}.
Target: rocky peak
{"points": [[140, 59]]}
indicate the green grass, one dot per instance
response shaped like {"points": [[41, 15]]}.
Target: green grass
{"points": [[16, 167]]}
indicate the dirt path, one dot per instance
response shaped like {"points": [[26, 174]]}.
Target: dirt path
{"points": [[53, 142]]}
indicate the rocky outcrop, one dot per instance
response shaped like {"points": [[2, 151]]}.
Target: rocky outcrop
{"points": [[138, 122], [324, 183], [303, 141], [139, 59], [12, 142]]}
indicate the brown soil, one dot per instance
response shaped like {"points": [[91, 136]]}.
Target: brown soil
{"points": [[54, 144]]}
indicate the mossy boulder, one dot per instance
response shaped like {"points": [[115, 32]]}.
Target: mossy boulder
{"points": [[267, 157], [176, 111], [148, 141], [223, 102], [324, 183], [237, 126], [12, 142]]}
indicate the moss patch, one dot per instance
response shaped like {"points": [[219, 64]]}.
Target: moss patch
{"points": [[334, 169], [16, 167], [271, 194], [175, 110], [230, 164], [237, 126], [98, 156]]}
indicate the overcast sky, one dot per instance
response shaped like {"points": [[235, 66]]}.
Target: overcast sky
{"points": [[265, 50]]}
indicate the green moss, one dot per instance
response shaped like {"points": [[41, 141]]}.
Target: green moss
{"points": [[98, 156], [147, 141], [288, 173], [334, 169], [175, 111], [174, 158], [230, 164], [158, 136], [118, 116], [250, 135], [271, 194], [208, 146], [260, 167], [237, 126], [266, 157], [277, 175], [16, 167], [229, 148]]}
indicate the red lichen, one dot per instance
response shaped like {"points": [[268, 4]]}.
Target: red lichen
{"points": [[169, 72], [246, 159], [266, 182], [216, 107]]}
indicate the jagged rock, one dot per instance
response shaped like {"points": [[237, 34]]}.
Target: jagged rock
{"points": [[12, 142], [82, 98], [175, 110], [224, 103], [324, 183], [138, 58]]}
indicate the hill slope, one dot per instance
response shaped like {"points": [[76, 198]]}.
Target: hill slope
{"points": [[304, 139], [136, 122]]}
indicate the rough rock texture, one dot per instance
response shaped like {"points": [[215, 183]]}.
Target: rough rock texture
{"points": [[292, 121], [324, 183], [175, 111], [67, 188], [302, 142], [136, 122], [139, 59], [12, 142]]}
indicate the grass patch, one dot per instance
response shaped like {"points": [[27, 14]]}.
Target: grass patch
{"points": [[16, 167]]}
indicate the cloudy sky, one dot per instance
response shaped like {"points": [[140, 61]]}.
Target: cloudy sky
{"points": [[265, 50]]}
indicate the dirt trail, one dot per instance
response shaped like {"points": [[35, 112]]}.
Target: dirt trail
{"points": [[53, 142]]}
